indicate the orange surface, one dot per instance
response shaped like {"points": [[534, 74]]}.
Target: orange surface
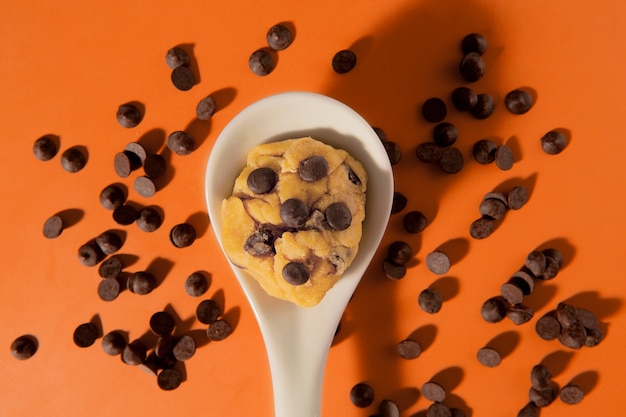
{"points": [[66, 67]]}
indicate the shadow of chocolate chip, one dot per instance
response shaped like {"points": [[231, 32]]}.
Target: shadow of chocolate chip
{"points": [[163, 180], [456, 249], [71, 216], [541, 296], [153, 140], [448, 287], [224, 97], [200, 222], [449, 378], [199, 130], [160, 267], [587, 381], [514, 144], [199, 336], [425, 335], [405, 397], [193, 63], [127, 259], [557, 361], [233, 316], [592, 301], [505, 343], [97, 321]]}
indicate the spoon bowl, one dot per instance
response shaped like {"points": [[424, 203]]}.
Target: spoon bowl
{"points": [[298, 339]]}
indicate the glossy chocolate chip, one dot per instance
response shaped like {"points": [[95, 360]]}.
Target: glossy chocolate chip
{"points": [[205, 108], [485, 106], [428, 152], [45, 148], [196, 284], [110, 268], [518, 101], [338, 216], [262, 180], [183, 78], [540, 377], [295, 273], [177, 57], [464, 98], [445, 134], [141, 282], [482, 228], [24, 347], [260, 243], [434, 110], [129, 115], [53, 227], [548, 327], [409, 349], [261, 62], [73, 160], [149, 219], [472, 67], [154, 166], [489, 357], [343, 61], [109, 242], [219, 330], [399, 202], [399, 252], [517, 197], [432, 391], [313, 168], [587, 318], [438, 262], [182, 235], [108, 289], [278, 37], [162, 323], [208, 311], [169, 379], [451, 161], [86, 334], [184, 348], [394, 153], [112, 197], [134, 353], [430, 300], [181, 143], [113, 343], [484, 151], [125, 215], [504, 158], [392, 270], [90, 254], [362, 395], [493, 310], [294, 212], [553, 142], [474, 42]]}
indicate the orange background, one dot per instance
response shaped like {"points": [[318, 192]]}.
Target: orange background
{"points": [[66, 67]]}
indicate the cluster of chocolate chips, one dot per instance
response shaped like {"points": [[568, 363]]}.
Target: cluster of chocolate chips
{"points": [[573, 327], [73, 159], [263, 61], [494, 206], [178, 60]]}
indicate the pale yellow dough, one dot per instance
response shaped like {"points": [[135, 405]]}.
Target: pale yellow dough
{"points": [[326, 252]]}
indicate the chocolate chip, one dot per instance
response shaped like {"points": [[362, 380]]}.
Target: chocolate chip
{"points": [[262, 180], [414, 221], [110, 268], [260, 243], [261, 62], [343, 61], [493, 310], [112, 196], [529, 410], [594, 336], [472, 67], [162, 323], [338, 216], [482, 228], [573, 336], [137, 153], [205, 108], [86, 334], [399, 202], [362, 395], [553, 142], [141, 282], [571, 394], [183, 78], [294, 212], [279, 37], [113, 343], [90, 254], [536, 262], [525, 279], [548, 327], [73, 160], [474, 42], [123, 164], [354, 179], [295, 273], [380, 133], [24, 347], [169, 379], [181, 143], [164, 346], [208, 311], [177, 57], [512, 292], [388, 408], [542, 398], [485, 106], [109, 242], [540, 377], [108, 289], [196, 284], [432, 391], [457, 412], [129, 115], [517, 197], [438, 410], [149, 219], [182, 235], [428, 152], [566, 314], [53, 227], [434, 110], [393, 152], [399, 252], [489, 357], [518, 101], [445, 134], [464, 98], [554, 254], [134, 353], [438, 262], [125, 215], [430, 300], [45, 148], [552, 268], [154, 166], [409, 349], [219, 330], [493, 208], [587, 319], [504, 158], [185, 348], [393, 270], [519, 314], [484, 151], [451, 160]]}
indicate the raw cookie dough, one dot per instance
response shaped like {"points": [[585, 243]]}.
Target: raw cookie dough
{"points": [[300, 228]]}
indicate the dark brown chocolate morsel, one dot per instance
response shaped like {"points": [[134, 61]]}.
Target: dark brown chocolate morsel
{"points": [[53, 227], [279, 37], [137, 152], [438, 262], [162, 323], [587, 318], [129, 115], [196, 284], [86, 334], [399, 252], [205, 108], [294, 212], [432, 391], [108, 289], [517, 197], [504, 157], [457, 412], [393, 270], [482, 228], [338, 216], [489, 357], [512, 293], [544, 397], [409, 349], [169, 379], [113, 343], [464, 98], [112, 197], [261, 62], [262, 180], [518, 101], [362, 395], [184, 348], [388, 408], [109, 242], [540, 377], [430, 300], [529, 410], [164, 346], [141, 282], [380, 133], [183, 78], [110, 267], [125, 215], [519, 314], [485, 106], [566, 314], [181, 143], [183, 235], [393, 152], [145, 186], [527, 277], [219, 330], [445, 134], [208, 311], [295, 273], [451, 161], [536, 262], [123, 164], [148, 219], [594, 337], [45, 148], [344, 61], [134, 353], [177, 57], [484, 151], [492, 208], [399, 202], [553, 142], [438, 410], [472, 67], [571, 394], [552, 268], [434, 110], [548, 327], [414, 221], [428, 152], [90, 254], [73, 159], [154, 166], [573, 336], [494, 310], [24, 347], [474, 42]]}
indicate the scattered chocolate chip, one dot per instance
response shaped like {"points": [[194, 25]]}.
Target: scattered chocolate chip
{"points": [[362, 395], [196, 284], [182, 235], [553, 142], [393, 270], [399, 202], [261, 62], [154, 166], [162, 323], [430, 300], [512, 292], [409, 349], [338, 216], [123, 165], [142, 282], [518, 101], [504, 158], [517, 197], [566, 314], [137, 153], [388, 408], [112, 196], [86, 334], [434, 110], [181, 143], [125, 215], [53, 227], [493, 208], [414, 221], [428, 152], [494, 310], [279, 37], [554, 254], [445, 134], [208, 311], [485, 106], [113, 343], [525, 279], [134, 353], [205, 108], [438, 410], [393, 152], [185, 348], [110, 268], [219, 330], [542, 398], [474, 42], [472, 67], [552, 268], [399, 252], [169, 379], [540, 377], [573, 336], [164, 346], [484, 151], [294, 212], [432, 391], [295, 273], [380, 133], [343, 61], [73, 160], [90, 254], [438, 262], [464, 98], [482, 228], [108, 289], [129, 115], [536, 262], [587, 318], [109, 242], [489, 357], [148, 219], [451, 160], [177, 57], [182, 78], [529, 410], [313, 168], [594, 337], [571, 394], [548, 327], [262, 180], [45, 148], [519, 314], [24, 347]]}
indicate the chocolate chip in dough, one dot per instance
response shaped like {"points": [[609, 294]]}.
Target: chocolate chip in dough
{"points": [[141, 282], [428, 152], [451, 161], [183, 235], [129, 115], [434, 110], [205, 108], [261, 62], [125, 215], [162, 323], [149, 219], [338, 216], [113, 343], [344, 61], [432, 391], [181, 143], [260, 243], [53, 227], [86, 334], [177, 57], [196, 284], [474, 42], [438, 262], [262, 180], [183, 78], [294, 212], [219, 330], [362, 395], [571, 394], [313, 168], [134, 353], [484, 151], [185, 348], [553, 142], [489, 357], [517, 197], [409, 349], [399, 252], [24, 347], [430, 300], [279, 37], [108, 289], [482, 228], [208, 311], [73, 159], [472, 67], [295, 273], [464, 98], [45, 148], [493, 310], [504, 158], [485, 106], [169, 379], [445, 134], [548, 327], [393, 152], [540, 377], [414, 221], [518, 101], [112, 196]]}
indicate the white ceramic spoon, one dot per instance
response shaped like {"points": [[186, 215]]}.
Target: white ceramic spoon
{"points": [[298, 339]]}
